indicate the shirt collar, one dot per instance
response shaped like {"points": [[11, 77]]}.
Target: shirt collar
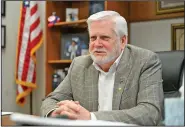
{"points": [[112, 68]]}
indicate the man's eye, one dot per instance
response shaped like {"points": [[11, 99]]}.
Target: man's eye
{"points": [[93, 38], [106, 38]]}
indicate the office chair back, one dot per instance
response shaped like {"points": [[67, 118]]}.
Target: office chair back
{"points": [[172, 69]]}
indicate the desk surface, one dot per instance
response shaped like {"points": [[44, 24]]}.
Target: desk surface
{"points": [[6, 121]]}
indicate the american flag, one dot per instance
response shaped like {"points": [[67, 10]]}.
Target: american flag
{"points": [[29, 40]]}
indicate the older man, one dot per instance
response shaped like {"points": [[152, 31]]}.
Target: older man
{"points": [[116, 82]]}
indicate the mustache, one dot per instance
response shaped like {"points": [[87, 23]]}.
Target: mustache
{"points": [[99, 50]]}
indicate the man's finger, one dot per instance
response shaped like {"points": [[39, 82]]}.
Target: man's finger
{"points": [[54, 114], [77, 102], [70, 115], [70, 104], [58, 110], [64, 108], [73, 106]]}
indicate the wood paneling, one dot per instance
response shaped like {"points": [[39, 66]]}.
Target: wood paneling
{"points": [[121, 7], [146, 10], [58, 7], [83, 7], [53, 39]]}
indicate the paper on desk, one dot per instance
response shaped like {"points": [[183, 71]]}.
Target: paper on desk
{"points": [[174, 111], [35, 120], [7, 113]]}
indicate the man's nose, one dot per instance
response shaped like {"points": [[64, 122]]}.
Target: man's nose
{"points": [[98, 43]]}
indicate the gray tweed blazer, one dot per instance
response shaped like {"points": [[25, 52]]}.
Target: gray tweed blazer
{"points": [[137, 95]]}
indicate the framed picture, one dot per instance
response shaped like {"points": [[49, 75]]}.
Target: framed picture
{"points": [[177, 36], [3, 8], [71, 14], [96, 6], [166, 7], [73, 45], [3, 36]]}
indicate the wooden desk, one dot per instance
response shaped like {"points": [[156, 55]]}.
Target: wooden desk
{"points": [[6, 121]]}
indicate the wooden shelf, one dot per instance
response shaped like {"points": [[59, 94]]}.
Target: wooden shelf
{"points": [[79, 23], [59, 61]]}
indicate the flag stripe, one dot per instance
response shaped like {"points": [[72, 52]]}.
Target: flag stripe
{"points": [[35, 32], [26, 63], [34, 17], [30, 71], [24, 88], [24, 45], [32, 4], [35, 25], [34, 9], [20, 89], [22, 20], [36, 39]]}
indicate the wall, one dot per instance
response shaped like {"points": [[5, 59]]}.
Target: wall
{"points": [[11, 20], [153, 35], [39, 93], [149, 30], [8, 59]]}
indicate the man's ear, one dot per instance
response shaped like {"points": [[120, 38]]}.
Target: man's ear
{"points": [[123, 41]]}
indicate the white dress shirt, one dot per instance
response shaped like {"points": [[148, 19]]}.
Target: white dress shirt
{"points": [[105, 87]]}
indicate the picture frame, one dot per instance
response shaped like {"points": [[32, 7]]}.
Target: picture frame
{"points": [[3, 36], [3, 8], [96, 6], [71, 14], [73, 45], [177, 31], [167, 7]]}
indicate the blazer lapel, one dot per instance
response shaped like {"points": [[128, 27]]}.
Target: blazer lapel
{"points": [[91, 88], [123, 71]]}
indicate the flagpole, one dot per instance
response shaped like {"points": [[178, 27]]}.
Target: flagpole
{"points": [[31, 111]]}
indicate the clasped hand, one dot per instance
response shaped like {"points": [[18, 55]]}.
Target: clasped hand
{"points": [[72, 109]]}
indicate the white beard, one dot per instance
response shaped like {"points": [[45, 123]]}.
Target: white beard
{"points": [[108, 58]]}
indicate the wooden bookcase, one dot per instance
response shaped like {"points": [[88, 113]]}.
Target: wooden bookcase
{"points": [[54, 34]]}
